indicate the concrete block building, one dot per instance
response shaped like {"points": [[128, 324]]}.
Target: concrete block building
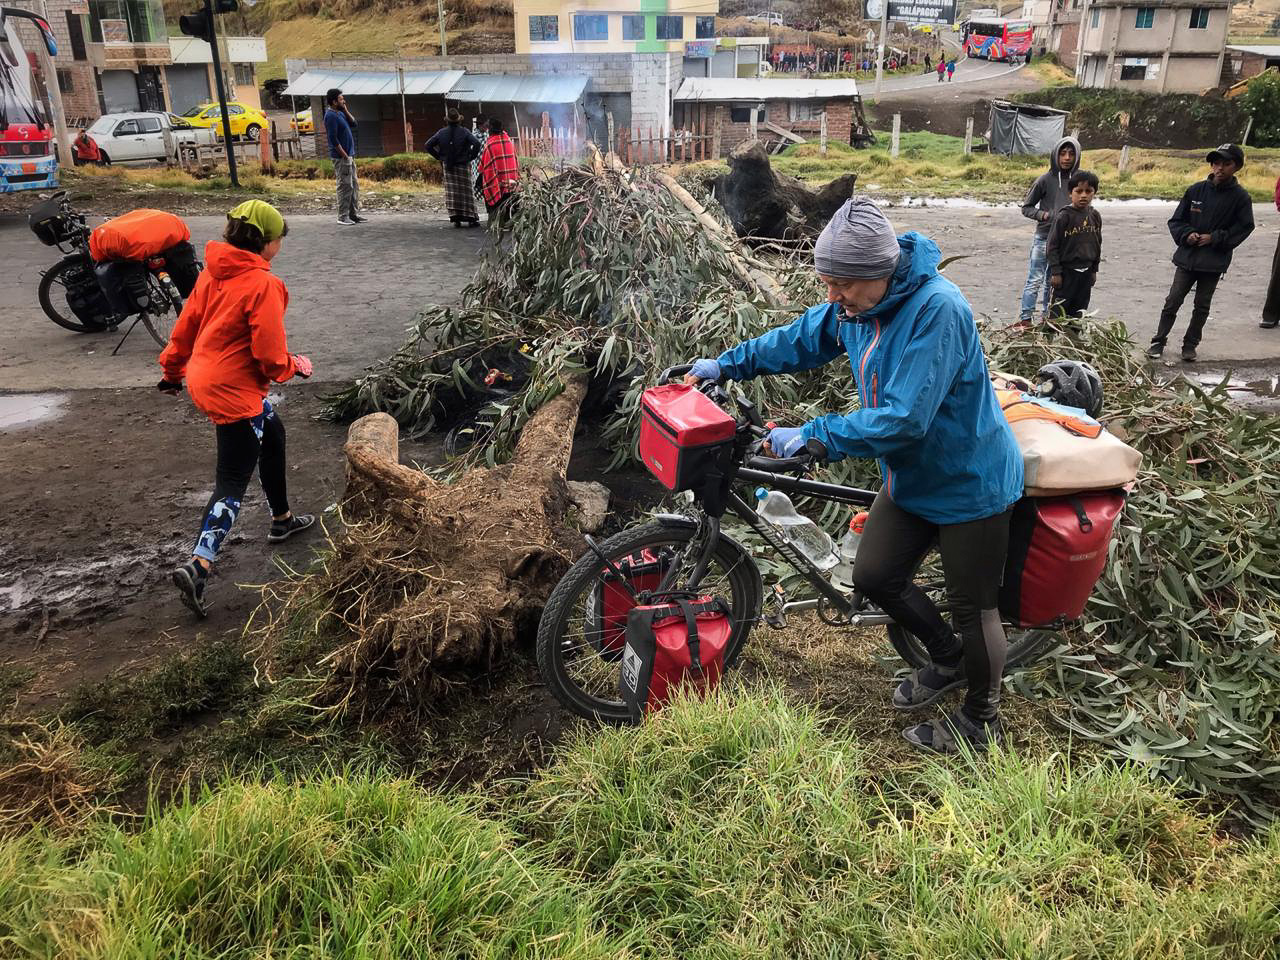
{"points": [[1157, 46], [612, 26], [794, 106]]}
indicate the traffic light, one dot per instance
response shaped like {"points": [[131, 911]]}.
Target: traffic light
{"points": [[200, 23], [197, 25]]}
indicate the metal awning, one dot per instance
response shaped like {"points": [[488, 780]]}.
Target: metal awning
{"points": [[495, 88], [723, 89], [314, 83]]}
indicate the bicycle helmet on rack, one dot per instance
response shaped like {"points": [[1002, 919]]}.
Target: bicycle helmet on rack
{"points": [[1071, 383]]}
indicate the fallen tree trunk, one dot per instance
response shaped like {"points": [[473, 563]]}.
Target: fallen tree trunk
{"points": [[434, 582]]}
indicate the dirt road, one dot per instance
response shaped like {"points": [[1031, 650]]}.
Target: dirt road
{"points": [[106, 478]]}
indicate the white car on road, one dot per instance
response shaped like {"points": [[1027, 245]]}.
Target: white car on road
{"points": [[772, 19], [134, 137]]}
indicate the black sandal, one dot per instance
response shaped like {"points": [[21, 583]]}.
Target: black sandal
{"points": [[926, 686], [948, 734]]}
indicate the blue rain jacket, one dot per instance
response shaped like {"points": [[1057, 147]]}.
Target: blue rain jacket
{"points": [[929, 413]]}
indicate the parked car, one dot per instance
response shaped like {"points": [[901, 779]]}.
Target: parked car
{"points": [[772, 19], [246, 121], [133, 137], [302, 122]]}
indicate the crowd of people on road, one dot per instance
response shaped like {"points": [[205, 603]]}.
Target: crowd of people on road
{"points": [[812, 62], [475, 166], [1214, 217]]}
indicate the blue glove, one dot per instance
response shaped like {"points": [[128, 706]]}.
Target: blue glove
{"points": [[706, 369], [786, 441]]}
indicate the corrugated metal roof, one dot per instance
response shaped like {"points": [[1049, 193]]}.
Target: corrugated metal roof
{"points": [[763, 88], [496, 88], [314, 83], [1261, 49]]}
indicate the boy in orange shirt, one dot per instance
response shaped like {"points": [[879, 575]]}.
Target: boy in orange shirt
{"points": [[229, 343]]}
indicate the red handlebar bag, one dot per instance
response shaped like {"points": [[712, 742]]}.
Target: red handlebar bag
{"points": [[677, 644], [683, 435], [137, 235], [610, 599], [1057, 551]]}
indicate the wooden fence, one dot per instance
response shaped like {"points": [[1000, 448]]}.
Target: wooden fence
{"points": [[697, 139], [567, 142]]}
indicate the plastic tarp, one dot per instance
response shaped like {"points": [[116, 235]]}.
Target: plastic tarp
{"points": [[1018, 128]]}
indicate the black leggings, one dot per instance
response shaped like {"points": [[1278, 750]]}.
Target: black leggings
{"points": [[893, 544], [253, 442]]}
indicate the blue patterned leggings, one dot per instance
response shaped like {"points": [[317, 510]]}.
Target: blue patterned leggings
{"points": [[243, 445]]}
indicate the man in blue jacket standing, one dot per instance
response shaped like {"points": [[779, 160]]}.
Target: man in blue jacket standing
{"points": [[951, 468], [338, 126]]}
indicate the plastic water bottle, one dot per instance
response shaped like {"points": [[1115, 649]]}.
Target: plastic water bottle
{"points": [[806, 536], [842, 572]]}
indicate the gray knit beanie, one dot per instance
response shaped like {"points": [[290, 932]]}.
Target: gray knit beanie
{"points": [[859, 242]]}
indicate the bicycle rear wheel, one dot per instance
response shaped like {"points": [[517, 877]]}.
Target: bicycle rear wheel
{"points": [[1025, 646], [580, 669], [162, 315]]}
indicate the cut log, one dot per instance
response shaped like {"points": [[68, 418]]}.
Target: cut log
{"points": [[434, 582]]}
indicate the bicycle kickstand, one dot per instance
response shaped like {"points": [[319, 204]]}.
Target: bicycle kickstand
{"points": [[136, 320]]}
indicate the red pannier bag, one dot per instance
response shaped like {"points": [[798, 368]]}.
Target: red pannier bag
{"points": [[672, 645], [683, 435], [1057, 551], [137, 235], [610, 600]]}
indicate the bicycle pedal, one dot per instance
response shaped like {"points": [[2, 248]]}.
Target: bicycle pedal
{"points": [[777, 619]]}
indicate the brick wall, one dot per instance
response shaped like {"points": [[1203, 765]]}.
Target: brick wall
{"points": [[778, 112]]}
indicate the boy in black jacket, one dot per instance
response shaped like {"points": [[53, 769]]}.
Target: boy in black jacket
{"points": [[1214, 217], [1075, 246]]}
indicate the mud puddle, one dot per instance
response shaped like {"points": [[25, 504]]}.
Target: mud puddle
{"points": [[21, 411], [1254, 389], [84, 585]]}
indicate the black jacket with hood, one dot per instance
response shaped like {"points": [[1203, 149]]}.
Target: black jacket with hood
{"points": [[1224, 212], [1049, 193]]}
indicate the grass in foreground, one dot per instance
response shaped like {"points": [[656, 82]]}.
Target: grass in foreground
{"points": [[934, 165], [743, 827]]}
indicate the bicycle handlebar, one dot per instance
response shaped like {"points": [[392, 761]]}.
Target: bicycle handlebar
{"points": [[779, 464]]}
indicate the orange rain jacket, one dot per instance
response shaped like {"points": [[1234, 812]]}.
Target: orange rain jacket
{"points": [[229, 342]]}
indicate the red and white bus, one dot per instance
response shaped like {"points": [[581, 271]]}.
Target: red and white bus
{"points": [[996, 38], [27, 158]]}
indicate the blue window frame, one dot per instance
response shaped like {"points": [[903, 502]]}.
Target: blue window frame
{"points": [[670, 28], [704, 28], [633, 26], [1145, 19], [591, 26], [544, 29], [1199, 18]]}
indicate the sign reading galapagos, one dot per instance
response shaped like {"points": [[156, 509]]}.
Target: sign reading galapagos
{"points": [[915, 11]]}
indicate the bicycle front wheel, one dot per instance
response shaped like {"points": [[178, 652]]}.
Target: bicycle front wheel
{"points": [[166, 305], [52, 293], [578, 666]]}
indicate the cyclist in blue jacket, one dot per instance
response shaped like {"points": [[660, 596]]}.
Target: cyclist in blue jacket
{"points": [[950, 465]]}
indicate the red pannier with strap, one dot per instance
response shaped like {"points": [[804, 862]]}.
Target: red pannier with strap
{"points": [[683, 435], [1057, 551], [678, 643], [613, 597]]}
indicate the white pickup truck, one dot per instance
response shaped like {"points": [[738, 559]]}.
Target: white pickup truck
{"points": [[136, 137]]}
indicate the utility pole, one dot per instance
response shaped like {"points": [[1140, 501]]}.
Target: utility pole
{"points": [[884, 26], [444, 46], [203, 26], [54, 88]]}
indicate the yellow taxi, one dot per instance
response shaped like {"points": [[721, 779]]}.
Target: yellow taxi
{"points": [[246, 121], [302, 122]]}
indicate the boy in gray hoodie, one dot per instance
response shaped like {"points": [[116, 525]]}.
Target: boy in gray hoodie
{"points": [[1047, 196]]}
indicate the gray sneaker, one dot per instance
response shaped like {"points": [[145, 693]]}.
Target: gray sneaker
{"points": [[1155, 351], [346, 221]]}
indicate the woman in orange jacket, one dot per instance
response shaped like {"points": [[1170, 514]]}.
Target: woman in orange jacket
{"points": [[229, 344]]}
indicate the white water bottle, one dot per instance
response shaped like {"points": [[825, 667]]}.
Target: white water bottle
{"points": [[842, 572], [806, 536]]}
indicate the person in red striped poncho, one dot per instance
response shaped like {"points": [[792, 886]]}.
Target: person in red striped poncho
{"points": [[499, 169]]}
